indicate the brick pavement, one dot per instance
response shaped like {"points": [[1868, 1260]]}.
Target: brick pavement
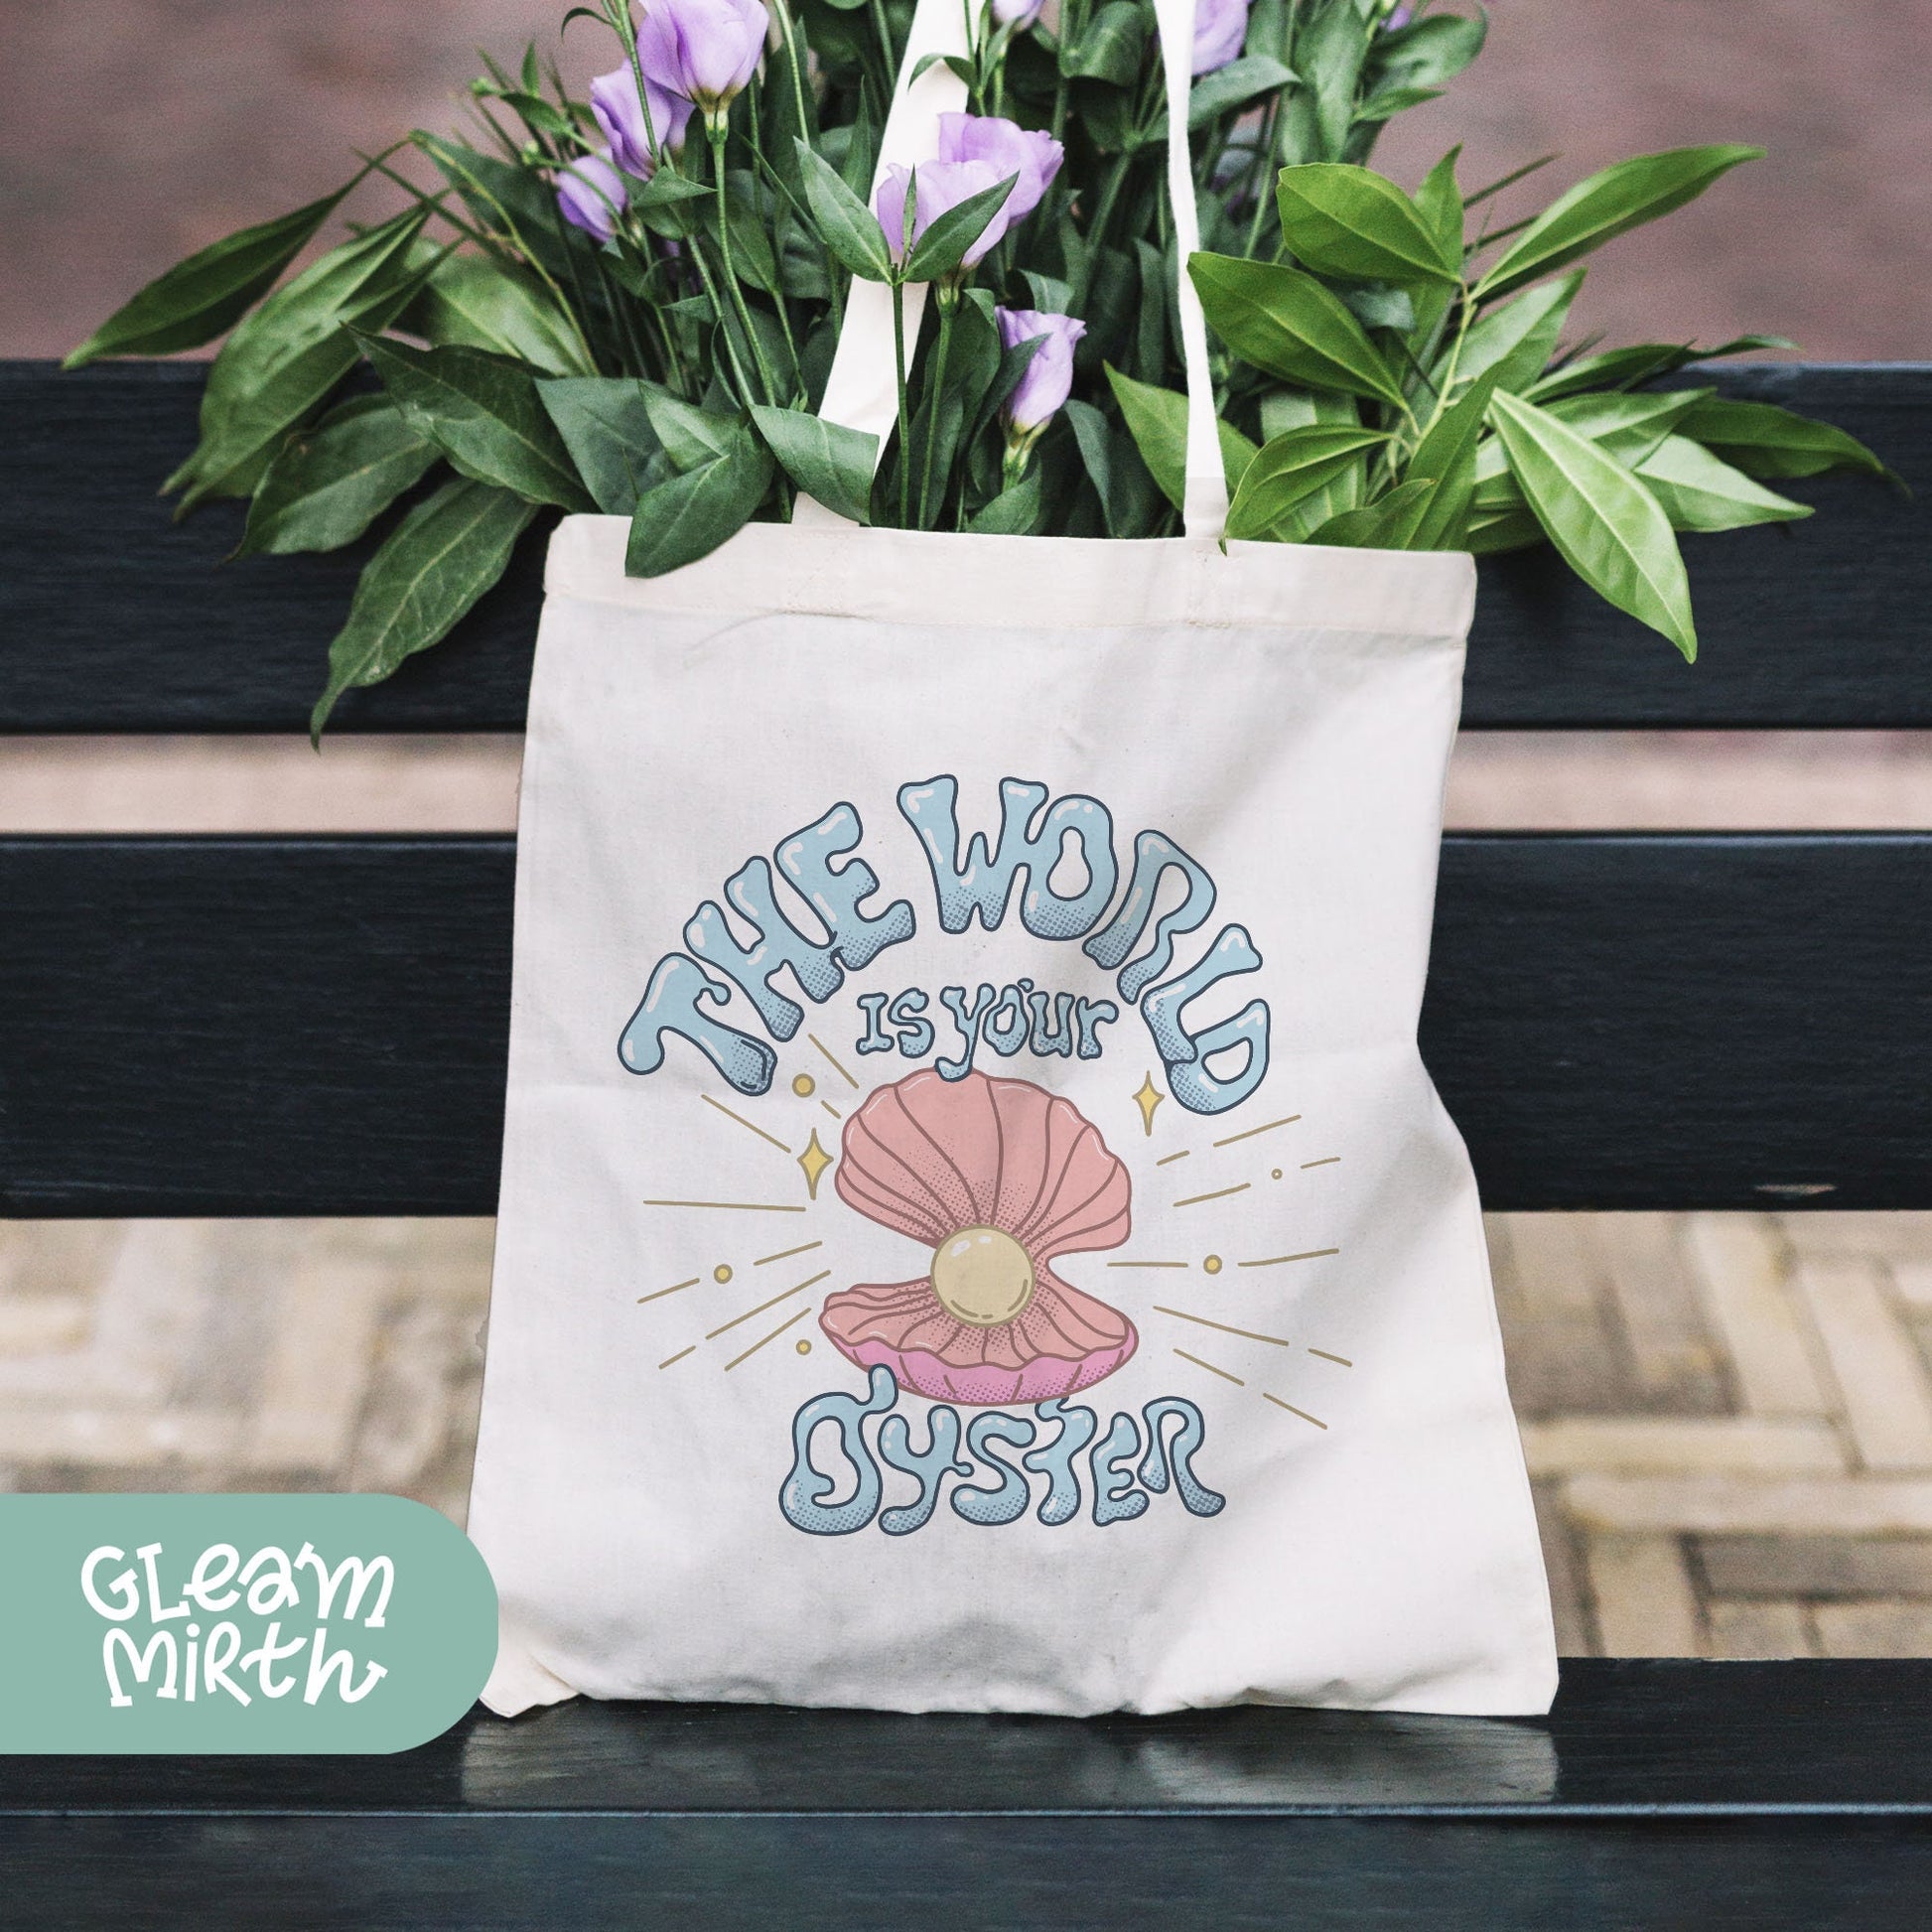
{"points": [[1727, 1417]]}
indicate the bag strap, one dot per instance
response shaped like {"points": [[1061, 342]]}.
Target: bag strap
{"points": [[862, 390]]}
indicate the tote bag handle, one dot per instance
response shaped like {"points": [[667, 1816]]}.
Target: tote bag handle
{"points": [[862, 390]]}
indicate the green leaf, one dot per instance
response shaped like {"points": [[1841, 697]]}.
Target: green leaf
{"points": [[1389, 523], [482, 302], [1429, 51], [1111, 46], [1439, 201], [1446, 456], [689, 517], [284, 357], [1764, 440], [509, 201], [1157, 419], [1233, 87], [691, 437], [1385, 103], [1012, 512], [1290, 469], [197, 299], [845, 224], [1130, 505], [1518, 338], [433, 567], [1329, 50], [1609, 528], [1288, 325], [1610, 204], [1356, 224], [330, 482], [1492, 533], [1628, 427], [1286, 409], [605, 422], [482, 411], [1700, 491], [1614, 368], [828, 461], [941, 249]]}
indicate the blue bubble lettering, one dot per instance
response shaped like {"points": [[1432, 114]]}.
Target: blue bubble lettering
{"points": [[1154, 855], [953, 999], [1055, 1460], [1185, 1055], [875, 1040], [915, 1036], [805, 858], [1115, 1499], [673, 1002], [931, 1465], [802, 1497], [1201, 1500], [975, 1501]]}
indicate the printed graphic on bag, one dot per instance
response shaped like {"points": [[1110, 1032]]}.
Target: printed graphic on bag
{"points": [[995, 1176]]}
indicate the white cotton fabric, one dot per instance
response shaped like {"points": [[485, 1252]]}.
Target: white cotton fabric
{"points": [[1282, 714]]}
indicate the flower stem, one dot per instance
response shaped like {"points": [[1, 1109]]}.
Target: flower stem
{"points": [[905, 422], [938, 380], [718, 136]]}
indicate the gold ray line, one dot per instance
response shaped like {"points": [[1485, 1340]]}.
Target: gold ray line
{"points": [[836, 1067], [1327, 1357], [1247, 1335], [1210, 1368], [1220, 1194], [832, 1110], [1292, 1410], [679, 1356], [672, 1290], [785, 1254], [739, 1206], [784, 1296], [1149, 1264], [1327, 1160], [742, 1121], [791, 1322], [1275, 1261], [1168, 1160], [1287, 1120]]}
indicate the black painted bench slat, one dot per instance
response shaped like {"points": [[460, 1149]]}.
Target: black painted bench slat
{"points": [[114, 619], [317, 1026], [1765, 1796]]}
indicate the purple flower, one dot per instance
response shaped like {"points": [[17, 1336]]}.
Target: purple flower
{"points": [[1220, 26], [1048, 379], [1016, 13], [592, 194], [614, 100], [702, 51], [1030, 153], [1398, 20], [942, 185]]}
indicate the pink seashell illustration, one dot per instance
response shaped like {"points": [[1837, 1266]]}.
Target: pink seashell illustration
{"points": [[999, 1178]]}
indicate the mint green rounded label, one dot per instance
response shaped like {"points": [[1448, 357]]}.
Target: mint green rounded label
{"points": [[236, 1623]]}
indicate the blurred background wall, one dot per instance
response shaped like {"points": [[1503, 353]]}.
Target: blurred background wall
{"points": [[1717, 1408]]}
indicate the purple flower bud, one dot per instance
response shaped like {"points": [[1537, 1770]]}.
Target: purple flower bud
{"points": [[592, 194], [942, 185], [1030, 153], [1220, 26], [1016, 13], [1398, 20], [614, 100], [1048, 379], [702, 51]]}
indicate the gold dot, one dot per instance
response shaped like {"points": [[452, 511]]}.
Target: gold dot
{"points": [[1278, 1173], [805, 1086], [1212, 1264], [721, 1273], [804, 1349]]}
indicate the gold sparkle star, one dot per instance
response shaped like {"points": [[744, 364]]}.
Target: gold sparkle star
{"points": [[1148, 1098], [814, 1160]]}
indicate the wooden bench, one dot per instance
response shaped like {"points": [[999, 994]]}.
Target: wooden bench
{"points": [[317, 1026]]}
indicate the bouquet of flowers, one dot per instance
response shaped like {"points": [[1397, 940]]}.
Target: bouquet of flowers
{"points": [[629, 304]]}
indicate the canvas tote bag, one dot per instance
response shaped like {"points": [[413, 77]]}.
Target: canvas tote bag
{"points": [[975, 1231]]}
